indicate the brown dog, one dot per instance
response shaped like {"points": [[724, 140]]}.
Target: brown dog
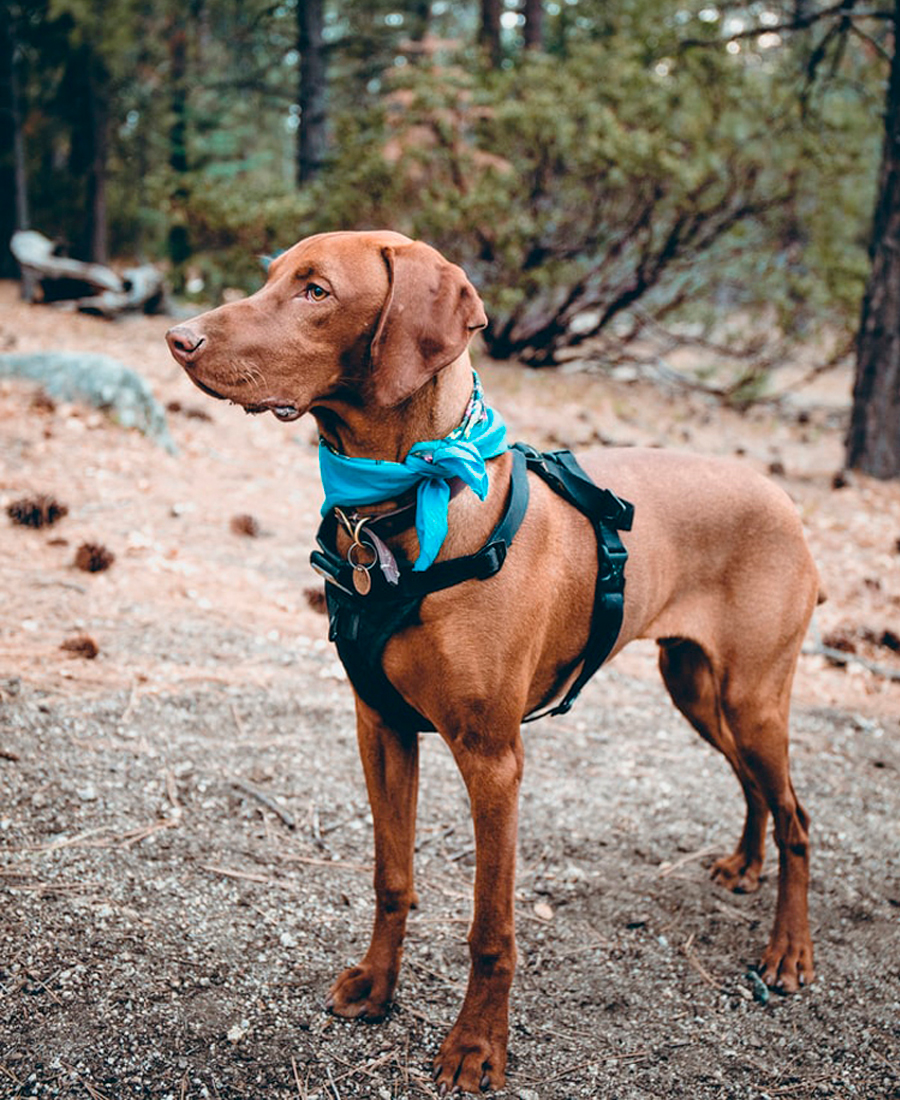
{"points": [[369, 333]]}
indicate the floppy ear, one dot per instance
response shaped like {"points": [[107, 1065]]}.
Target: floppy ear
{"points": [[428, 318]]}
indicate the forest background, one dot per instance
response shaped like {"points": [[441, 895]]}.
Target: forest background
{"points": [[725, 175]]}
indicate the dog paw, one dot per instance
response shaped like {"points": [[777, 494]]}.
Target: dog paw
{"points": [[469, 1062], [360, 993], [736, 874], [787, 964]]}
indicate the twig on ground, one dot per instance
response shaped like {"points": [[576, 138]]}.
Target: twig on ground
{"points": [[9, 1073], [172, 793], [334, 1088], [67, 842], [349, 1073], [242, 733], [840, 657], [267, 800], [57, 887], [247, 876], [368, 1067], [263, 880], [455, 857], [884, 1059], [313, 861], [666, 869], [733, 912], [94, 1094], [569, 1070], [418, 920], [804, 1088], [302, 1092], [130, 706], [46, 988], [687, 949], [136, 836], [316, 829], [607, 1056], [435, 1021], [420, 968], [576, 1038]]}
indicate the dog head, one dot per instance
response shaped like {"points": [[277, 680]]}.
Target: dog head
{"points": [[359, 317]]}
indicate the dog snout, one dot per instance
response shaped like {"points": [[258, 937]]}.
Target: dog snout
{"points": [[185, 344]]}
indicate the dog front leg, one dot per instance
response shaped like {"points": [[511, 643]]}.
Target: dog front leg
{"points": [[473, 1055], [391, 765]]}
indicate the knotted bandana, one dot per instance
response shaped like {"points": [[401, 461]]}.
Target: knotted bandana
{"points": [[428, 467]]}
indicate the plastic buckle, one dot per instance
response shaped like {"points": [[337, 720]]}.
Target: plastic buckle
{"points": [[490, 560]]}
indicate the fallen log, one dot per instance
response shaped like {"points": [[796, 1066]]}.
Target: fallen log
{"points": [[87, 287], [142, 288]]}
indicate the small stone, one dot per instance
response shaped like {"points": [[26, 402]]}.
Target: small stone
{"points": [[237, 1031]]}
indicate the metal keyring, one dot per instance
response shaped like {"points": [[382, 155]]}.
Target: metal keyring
{"points": [[361, 546]]}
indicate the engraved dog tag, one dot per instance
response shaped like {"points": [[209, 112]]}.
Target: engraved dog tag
{"points": [[362, 582]]}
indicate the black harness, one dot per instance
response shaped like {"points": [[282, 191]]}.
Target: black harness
{"points": [[362, 625]]}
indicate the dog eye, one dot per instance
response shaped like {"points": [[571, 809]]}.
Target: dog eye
{"points": [[315, 293]]}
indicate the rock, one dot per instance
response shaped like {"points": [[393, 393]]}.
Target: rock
{"points": [[98, 380]]}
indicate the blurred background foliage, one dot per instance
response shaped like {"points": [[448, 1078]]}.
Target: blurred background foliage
{"points": [[597, 169]]}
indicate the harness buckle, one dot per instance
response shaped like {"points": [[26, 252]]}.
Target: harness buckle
{"points": [[490, 560], [326, 570]]}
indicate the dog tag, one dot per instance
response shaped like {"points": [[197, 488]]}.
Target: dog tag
{"points": [[362, 582]]}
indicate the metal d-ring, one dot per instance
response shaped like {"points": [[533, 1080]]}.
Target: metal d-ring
{"points": [[357, 545]]}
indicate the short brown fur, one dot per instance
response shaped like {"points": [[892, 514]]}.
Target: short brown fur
{"points": [[369, 333]]}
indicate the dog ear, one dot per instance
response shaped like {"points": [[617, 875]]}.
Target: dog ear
{"points": [[428, 318]]}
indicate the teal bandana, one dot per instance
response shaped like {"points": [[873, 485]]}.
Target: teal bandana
{"points": [[428, 467]]}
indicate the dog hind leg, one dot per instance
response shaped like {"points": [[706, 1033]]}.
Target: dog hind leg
{"points": [[689, 677], [758, 716], [745, 716]]}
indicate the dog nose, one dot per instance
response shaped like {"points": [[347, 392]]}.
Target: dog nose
{"points": [[185, 344]]}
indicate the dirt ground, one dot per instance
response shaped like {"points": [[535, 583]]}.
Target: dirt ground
{"points": [[184, 835]]}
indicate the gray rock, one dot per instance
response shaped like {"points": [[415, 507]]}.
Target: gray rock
{"points": [[98, 380]]}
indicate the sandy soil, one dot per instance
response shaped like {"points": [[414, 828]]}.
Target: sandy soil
{"points": [[184, 834]]}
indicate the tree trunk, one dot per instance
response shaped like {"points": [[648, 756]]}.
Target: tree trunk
{"points": [[98, 86], [84, 97], [489, 32], [13, 177], [312, 142], [534, 25], [873, 441], [419, 19], [178, 244]]}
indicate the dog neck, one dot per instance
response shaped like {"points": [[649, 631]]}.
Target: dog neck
{"points": [[362, 430], [429, 467]]}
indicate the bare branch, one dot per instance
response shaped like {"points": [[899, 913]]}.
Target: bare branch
{"points": [[870, 41], [845, 10]]}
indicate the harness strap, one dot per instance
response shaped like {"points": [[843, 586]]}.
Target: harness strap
{"points": [[609, 515], [362, 626]]}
